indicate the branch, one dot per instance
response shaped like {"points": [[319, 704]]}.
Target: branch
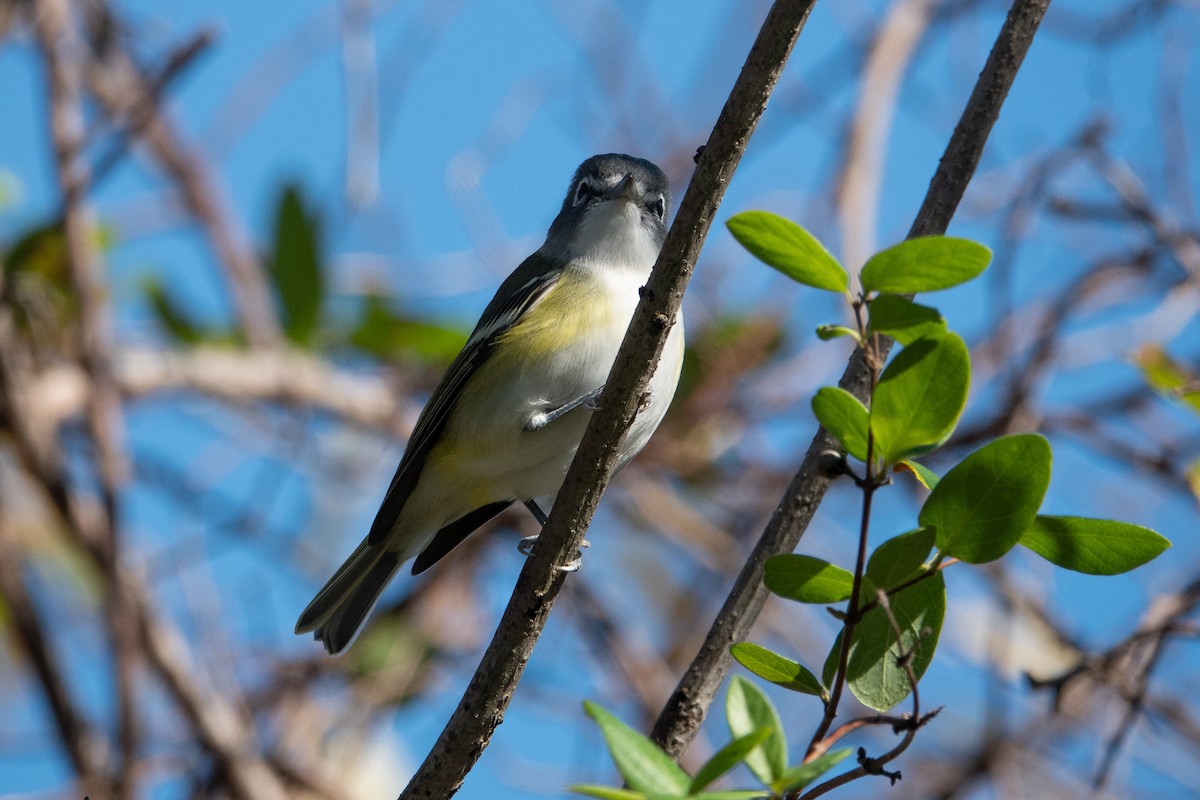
{"points": [[128, 95], [215, 720], [685, 710], [65, 57], [84, 747], [134, 632], [236, 376], [895, 44], [483, 704], [875, 766]]}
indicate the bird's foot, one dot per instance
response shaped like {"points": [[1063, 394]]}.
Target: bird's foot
{"points": [[525, 548], [544, 417]]}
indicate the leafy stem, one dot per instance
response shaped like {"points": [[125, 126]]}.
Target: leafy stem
{"points": [[909, 725], [868, 484], [939, 564]]}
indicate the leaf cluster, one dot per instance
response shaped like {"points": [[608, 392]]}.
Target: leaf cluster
{"points": [[976, 513], [757, 740], [892, 602]]}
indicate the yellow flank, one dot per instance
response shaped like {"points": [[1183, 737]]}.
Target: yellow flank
{"points": [[574, 308]]}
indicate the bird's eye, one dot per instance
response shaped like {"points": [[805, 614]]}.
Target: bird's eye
{"points": [[657, 207], [585, 191]]}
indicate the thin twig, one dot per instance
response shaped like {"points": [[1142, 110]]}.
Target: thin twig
{"points": [[84, 747], [135, 118], [215, 720], [937, 566], [874, 766], [483, 704], [869, 484], [360, 82]]}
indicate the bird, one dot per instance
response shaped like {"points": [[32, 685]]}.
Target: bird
{"points": [[504, 422]]}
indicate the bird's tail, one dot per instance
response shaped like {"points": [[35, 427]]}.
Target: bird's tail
{"points": [[338, 610]]}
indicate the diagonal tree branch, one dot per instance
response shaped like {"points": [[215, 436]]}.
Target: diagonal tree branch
{"points": [[84, 747], [685, 710], [486, 698], [134, 633], [213, 718], [216, 722], [895, 44], [65, 57], [120, 86]]}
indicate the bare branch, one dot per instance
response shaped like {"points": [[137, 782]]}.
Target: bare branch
{"points": [[895, 42], [494, 682], [65, 56], [259, 376], [685, 710], [83, 745], [122, 89], [359, 76], [215, 720]]}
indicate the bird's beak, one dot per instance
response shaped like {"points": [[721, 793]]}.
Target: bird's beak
{"points": [[626, 189]]}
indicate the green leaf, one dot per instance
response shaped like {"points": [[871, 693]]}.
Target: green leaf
{"points": [[829, 332], [734, 794], [644, 766], [900, 557], [36, 266], [784, 245], [295, 266], [727, 758], [777, 669], [387, 335], [904, 320], [1093, 546], [985, 503], [924, 475], [873, 672], [807, 580], [746, 710], [1165, 376], [925, 264], [920, 396], [844, 417], [41, 250], [606, 792], [172, 318], [800, 776]]}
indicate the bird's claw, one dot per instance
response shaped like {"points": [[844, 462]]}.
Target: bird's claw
{"points": [[547, 415], [525, 548]]}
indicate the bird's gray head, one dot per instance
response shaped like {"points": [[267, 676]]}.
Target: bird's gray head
{"points": [[616, 209]]}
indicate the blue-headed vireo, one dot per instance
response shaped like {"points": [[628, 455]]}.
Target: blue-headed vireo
{"points": [[503, 424]]}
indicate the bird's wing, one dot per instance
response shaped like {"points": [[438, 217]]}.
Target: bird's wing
{"points": [[520, 292], [453, 535]]}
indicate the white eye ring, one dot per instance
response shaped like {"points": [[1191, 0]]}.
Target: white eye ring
{"points": [[586, 188], [658, 207]]}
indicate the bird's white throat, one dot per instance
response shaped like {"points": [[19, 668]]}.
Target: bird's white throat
{"points": [[614, 235]]}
